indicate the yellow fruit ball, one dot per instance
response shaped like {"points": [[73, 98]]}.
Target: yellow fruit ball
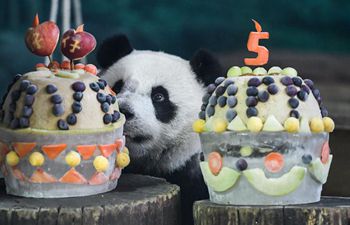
{"points": [[12, 158], [123, 160], [291, 125], [246, 151], [73, 159], [316, 125], [328, 124], [126, 150], [36, 159], [198, 126], [101, 163], [254, 124], [219, 125]]}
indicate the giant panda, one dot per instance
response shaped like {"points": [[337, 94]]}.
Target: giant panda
{"points": [[160, 95]]}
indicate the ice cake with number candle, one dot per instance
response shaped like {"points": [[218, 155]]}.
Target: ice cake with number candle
{"points": [[264, 134], [61, 131]]}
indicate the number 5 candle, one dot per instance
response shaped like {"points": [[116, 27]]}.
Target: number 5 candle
{"points": [[253, 46]]}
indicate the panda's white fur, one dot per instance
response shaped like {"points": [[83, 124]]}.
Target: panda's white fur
{"points": [[140, 71]]}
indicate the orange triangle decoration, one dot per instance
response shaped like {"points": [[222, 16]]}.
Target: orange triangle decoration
{"points": [[107, 150], [22, 148], [98, 178], [52, 151], [40, 176], [86, 151], [73, 177], [115, 174], [119, 144], [18, 174]]}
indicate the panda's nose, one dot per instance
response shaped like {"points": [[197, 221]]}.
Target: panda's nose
{"points": [[127, 111]]}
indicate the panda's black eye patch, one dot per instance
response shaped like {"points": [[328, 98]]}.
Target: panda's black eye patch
{"points": [[164, 108], [117, 87]]}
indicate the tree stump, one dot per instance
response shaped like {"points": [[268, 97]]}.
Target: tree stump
{"points": [[137, 200], [330, 210]]}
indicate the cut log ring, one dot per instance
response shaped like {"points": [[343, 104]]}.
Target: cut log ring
{"points": [[330, 210], [137, 200]]}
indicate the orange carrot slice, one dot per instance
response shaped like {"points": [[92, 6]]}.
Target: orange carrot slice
{"points": [[40, 176], [215, 162], [86, 151], [98, 178], [274, 162], [107, 150], [52, 151], [115, 174], [73, 177], [23, 148], [18, 174], [79, 66], [325, 152], [119, 144]]}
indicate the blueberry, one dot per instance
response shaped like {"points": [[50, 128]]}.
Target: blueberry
{"points": [[32, 89], [203, 107], [51, 88], [316, 93], [307, 158], [94, 87], [263, 96], [211, 88], [254, 82], [220, 90], [319, 100], [17, 77], [251, 111], [305, 88], [14, 123], [286, 81], [232, 89], [107, 118], [109, 99], [210, 111], [62, 125], [23, 122], [268, 80], [58, 110], [230, 115], [103, 81], [29, 100], [212, 100], [294, 113], [78, 86], [201, 115], [12, 107], [222, 101], [101, 97], [272, 89], [297, 81], [291, 90], [116, 116], [228, 82], [114, 99], [105, 107], [71, 119], [101, 85], [15, 95], [252, 91], [219, 80], [24, 85], [309, 83], [293, 102], [251, 101], [231, 101], [241, 164], [302, 95], [56, 99], [324, 111], [78, 96], [76, 107], [27, 111]]}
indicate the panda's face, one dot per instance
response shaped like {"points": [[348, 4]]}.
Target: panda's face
{"points": [[159, 95]]}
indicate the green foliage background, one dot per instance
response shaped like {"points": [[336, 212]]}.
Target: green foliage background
{"points": [[182, 26]]}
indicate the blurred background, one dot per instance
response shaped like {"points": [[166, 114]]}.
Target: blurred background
{"points": [[310, 35]]}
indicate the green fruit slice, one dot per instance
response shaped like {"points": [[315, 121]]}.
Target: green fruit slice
{"points": [[237, 125], [320, 171], [221, 182], [283, 185], [272, 124]]}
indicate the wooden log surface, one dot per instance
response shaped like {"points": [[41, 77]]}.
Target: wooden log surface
{"points": [[330, 211], [137, 200]]}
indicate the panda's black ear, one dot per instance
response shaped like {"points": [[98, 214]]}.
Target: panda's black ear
{"points": [[206, 66], [112, 49]]}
